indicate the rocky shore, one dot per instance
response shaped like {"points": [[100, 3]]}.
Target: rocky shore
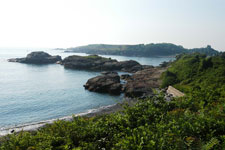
{"points": [[142, 83], [139, 84]]}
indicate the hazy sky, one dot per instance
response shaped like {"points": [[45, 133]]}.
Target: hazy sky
{"points": [[68, 23]]}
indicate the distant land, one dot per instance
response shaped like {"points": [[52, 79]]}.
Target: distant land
{"points": [[140, 50]]}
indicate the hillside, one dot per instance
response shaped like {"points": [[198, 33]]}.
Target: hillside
{"points": [[148, 50], [196, 71], [195, 121]]}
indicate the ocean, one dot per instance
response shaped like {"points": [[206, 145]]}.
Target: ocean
{"points": [[30, 93]]}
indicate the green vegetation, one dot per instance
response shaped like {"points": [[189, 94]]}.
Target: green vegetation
{"points": [[148, 50], [197, 71], [195, 121]]}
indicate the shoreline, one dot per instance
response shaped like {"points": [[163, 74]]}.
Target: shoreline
{"points": [[33, 126], [89, 113]]}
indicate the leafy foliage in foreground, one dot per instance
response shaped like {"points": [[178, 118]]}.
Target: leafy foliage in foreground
{"points": [[190, 122], [195, 121]]}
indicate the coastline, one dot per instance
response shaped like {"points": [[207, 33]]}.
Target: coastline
{"points": [[33, 126], [89, 113]]}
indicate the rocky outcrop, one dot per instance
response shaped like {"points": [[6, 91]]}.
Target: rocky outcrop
{"points": [[137, 89], [141, 83], [108, 82], [97, 63], [92, 62], [38, 57]]}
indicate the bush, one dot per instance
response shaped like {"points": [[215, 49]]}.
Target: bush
{"points": [[169, 79]]}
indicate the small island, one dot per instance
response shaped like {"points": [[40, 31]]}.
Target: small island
{"points": [[98, 63], [38, 57]]}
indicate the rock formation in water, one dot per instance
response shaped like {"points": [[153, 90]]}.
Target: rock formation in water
{"points": [[38, 57], [98, 63], [140, 84], [108, 82]]}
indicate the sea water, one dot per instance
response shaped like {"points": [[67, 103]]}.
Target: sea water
{"points": [[33, 93]]}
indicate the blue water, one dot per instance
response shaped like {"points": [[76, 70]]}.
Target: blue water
{"points": [[33, 93]]}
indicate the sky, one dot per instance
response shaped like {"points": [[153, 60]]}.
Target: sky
{"points": [[70, 23]]}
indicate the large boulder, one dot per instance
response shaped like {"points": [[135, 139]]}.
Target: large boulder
{"points": [[38, 57], [106, 83]]}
